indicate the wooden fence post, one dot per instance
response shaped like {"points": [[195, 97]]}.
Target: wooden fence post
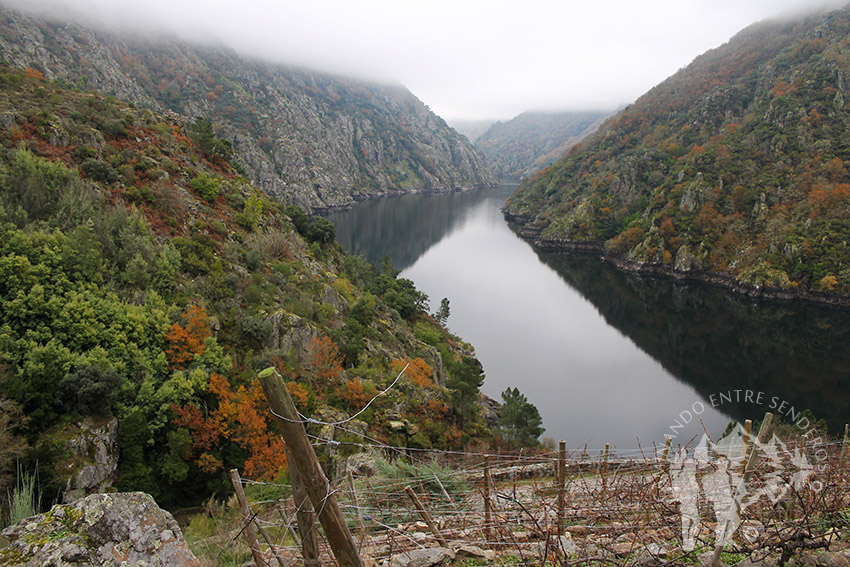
{"points": [[487, 503], [745, 457], [356, 502], [446, 493], [766, 427], [846, 440], [423, 512], [562, 480], [246, 509], [666, 451], [249, 530], [605, 461], [313, 477], [304, 515]]}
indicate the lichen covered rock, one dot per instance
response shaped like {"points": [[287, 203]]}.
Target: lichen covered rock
{"points": [[102, 530], [93, 458]]}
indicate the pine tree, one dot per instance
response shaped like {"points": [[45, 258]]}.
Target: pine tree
{"points": [[519, 420]]}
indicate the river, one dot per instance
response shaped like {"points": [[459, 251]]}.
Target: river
{"points": [[606, 357]]}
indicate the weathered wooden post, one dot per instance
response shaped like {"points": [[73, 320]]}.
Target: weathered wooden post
{"points": [[605, 461], [304, 514], [561, 480], [745, 457], [766, 427], [356, 502], [304, 459], [446, 493], [426, 516], [487, 503], [246, 511], [250, 531], [666, 452]]}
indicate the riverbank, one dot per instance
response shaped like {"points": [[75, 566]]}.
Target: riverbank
{"points": [[358, 198], [520, 226]]}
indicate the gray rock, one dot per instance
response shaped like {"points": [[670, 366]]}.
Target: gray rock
{"points": [[93, 455], [652, 554], [422, 557], [102, 530], [705, 557], [832, 559], [476, 552], [359, 464]]}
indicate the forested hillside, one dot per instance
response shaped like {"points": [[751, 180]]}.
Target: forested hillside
{"points": [[143, 278], [736, 165], [304, 137], [531, 141]]}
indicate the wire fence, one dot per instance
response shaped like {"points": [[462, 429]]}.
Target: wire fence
{"points": [[757, 499]]}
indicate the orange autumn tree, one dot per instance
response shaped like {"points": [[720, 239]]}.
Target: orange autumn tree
{"points": [[324, 361], [355, 394], [243, 417], [186, 340], [34, 74], [419, 372], [205, 436]]}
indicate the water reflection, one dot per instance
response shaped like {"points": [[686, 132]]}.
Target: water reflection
{"points": [[404, 227], [716, 341], [605, 356]]}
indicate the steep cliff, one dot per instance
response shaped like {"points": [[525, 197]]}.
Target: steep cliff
{"points": [[304, 137], [733, 169]]}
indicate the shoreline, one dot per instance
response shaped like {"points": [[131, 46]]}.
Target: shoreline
{"points": [[360, 197], [717, 279]]}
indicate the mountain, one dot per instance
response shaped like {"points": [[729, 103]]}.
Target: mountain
{"points": [[144, 282], [472, 129], [307, 138], [531, 141], [733, 169]]}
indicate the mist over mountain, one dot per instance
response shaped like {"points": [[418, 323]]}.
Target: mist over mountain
{"points": [[735, 166], [305, 137], [472, 129], [533, 140]]}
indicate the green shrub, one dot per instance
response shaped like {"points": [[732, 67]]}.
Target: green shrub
{"points": [[206, 187], [90, 391], [114, 128], [83, 153], [99, 170]]}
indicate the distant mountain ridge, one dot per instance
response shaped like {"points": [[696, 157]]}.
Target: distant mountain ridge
{"points": [[472, 129], [531, 141], [734, 169], [304, 137]]}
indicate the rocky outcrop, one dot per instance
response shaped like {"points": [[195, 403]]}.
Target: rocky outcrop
{"points": [[92, 456], [489, 410], [306, 138], [102, 530]]}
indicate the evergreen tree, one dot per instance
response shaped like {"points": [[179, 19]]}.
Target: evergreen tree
{"points": [[442, 314], [465, 380], [519, 421]]}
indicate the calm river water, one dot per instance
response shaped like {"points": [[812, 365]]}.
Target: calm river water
{"points": [[606, 357]]}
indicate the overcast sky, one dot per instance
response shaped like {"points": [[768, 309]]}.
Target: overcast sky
{"points": [[470, 59]]}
